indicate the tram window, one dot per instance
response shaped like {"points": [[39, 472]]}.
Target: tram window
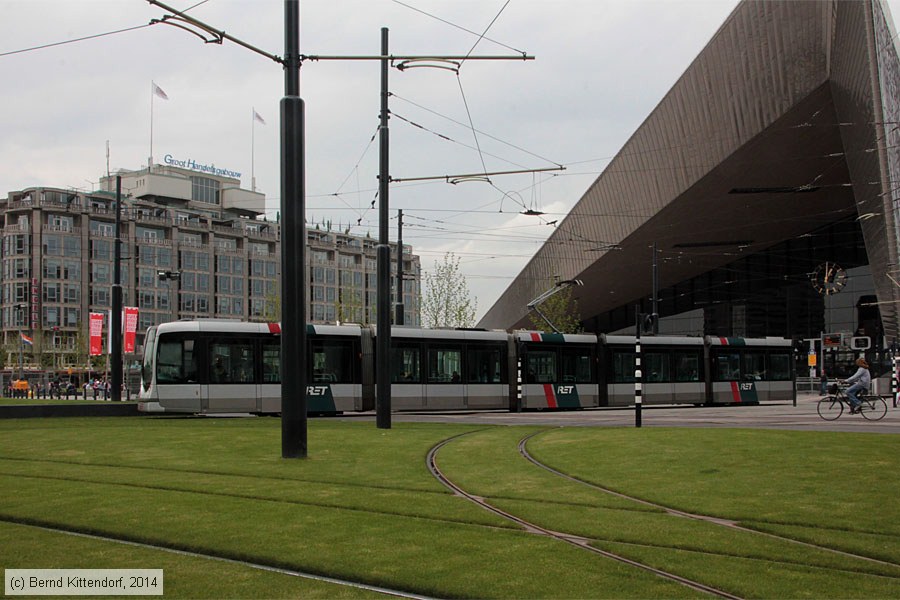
{"points": [[780, 366], [231, 361], [332, 361], [727, 366], [623, 367], [655, 367], [687, 366], [147, 366], [575, 365], [172, 360], [485, 365], [271, 361], [541, 366], [444, 365], [754, 365], [405, 363]]}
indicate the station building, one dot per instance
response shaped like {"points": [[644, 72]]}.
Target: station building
{"points": [[194, 245], [764, 187]]}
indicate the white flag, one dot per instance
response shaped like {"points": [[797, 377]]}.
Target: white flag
{"points": [[256, 117], [159, 92]]}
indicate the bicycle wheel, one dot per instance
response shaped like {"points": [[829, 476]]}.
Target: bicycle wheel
{"points": [[830, 408], [873, 408]]}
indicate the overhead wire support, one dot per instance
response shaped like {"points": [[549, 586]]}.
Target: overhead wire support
{"points": [[218, 33], [466, 176], [408, 57]]}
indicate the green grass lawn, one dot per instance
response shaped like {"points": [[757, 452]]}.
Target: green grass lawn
{"points": [[363, 507]]}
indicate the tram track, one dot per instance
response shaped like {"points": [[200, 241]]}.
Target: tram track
{"points": [[223, 559], [722, 522], [579, 542]]}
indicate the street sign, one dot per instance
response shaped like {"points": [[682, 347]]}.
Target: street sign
{"points": [[832, 340], [862, 342]]}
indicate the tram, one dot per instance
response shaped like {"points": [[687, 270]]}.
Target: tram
{"points": [[222, 366]]}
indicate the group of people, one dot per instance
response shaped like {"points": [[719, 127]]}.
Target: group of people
{"points": [[860, 381], [96, 388]]}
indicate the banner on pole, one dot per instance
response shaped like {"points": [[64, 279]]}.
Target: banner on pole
{"points": [[131, 319], [96, 324]]}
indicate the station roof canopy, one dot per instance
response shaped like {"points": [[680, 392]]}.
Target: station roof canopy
{"points": [[783, 129]]}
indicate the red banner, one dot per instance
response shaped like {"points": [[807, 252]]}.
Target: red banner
{"points": [[96, 334], [131, 319]]}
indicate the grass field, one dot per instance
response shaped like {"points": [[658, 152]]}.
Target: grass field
{"points": [[364, 508]]}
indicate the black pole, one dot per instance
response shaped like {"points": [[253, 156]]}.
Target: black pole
{"points": [[655, 326], [293, 241], [115, 326], [398, 314], [383, 321], [638, 373]]}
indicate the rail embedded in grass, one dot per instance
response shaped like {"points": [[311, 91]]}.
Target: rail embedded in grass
{"points": [[364, 508]]}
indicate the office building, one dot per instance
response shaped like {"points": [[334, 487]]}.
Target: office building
{"points": [[194, 245]]}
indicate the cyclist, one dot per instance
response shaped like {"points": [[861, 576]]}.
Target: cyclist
{"points": [[860, 380]]}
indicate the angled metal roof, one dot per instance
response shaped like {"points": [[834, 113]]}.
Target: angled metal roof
{"points": [[775, 132]]}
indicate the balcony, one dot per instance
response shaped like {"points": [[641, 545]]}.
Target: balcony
{"points": [[61, 229]]}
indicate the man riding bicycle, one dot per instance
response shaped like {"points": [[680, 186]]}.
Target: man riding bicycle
{"points": [[861, 381]]}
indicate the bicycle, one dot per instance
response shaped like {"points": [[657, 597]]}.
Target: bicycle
{"points": [[831, 407]]}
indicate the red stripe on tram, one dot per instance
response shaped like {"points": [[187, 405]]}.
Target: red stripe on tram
{"points": [[548, 393], [735, 393], [275, 328], [535, 337]]}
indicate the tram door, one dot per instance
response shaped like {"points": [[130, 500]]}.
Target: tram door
{"points": [[407, 391], [444, 387], [232, 384]]}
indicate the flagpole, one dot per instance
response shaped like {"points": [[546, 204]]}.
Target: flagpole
{"points": [[253, 149], [150, 159]]}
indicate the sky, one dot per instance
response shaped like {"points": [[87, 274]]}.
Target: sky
{"points": [[599, 69]]}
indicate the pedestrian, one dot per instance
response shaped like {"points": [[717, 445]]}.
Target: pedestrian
{"points": [[823, 381], [860, 382]]}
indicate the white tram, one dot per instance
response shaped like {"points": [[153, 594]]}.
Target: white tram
{"points": [[223, 366]]}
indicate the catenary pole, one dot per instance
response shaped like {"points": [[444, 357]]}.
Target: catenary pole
{"points": [[638, 373], [383, 257], [398, 315], [293, 240], [115, 326]]}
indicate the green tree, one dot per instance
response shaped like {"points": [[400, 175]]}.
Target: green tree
{"points": [[561, 309], [272, 308], [349, 307], [447, 302]]}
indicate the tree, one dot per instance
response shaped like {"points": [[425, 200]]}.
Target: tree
{"points": [[272, 308], [561, 309], [446, 302]]}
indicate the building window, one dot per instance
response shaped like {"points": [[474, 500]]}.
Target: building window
{"points": [[51, 292], [147, 233], [101, 250], [16, 244], [100, 228], [204, 189], [100, 296]]}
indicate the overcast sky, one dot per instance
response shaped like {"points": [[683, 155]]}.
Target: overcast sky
{"points": [[600, 68]]}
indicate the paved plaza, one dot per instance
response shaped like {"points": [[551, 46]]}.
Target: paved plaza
{"points": [[803, 416]]}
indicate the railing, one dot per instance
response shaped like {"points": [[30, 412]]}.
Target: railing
{"points": [[61, 229]]}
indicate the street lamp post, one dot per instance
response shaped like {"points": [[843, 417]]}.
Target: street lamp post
{"points": [[170, 276]]}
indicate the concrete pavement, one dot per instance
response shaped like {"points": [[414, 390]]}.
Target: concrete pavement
{"points": [[766, 416]]}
